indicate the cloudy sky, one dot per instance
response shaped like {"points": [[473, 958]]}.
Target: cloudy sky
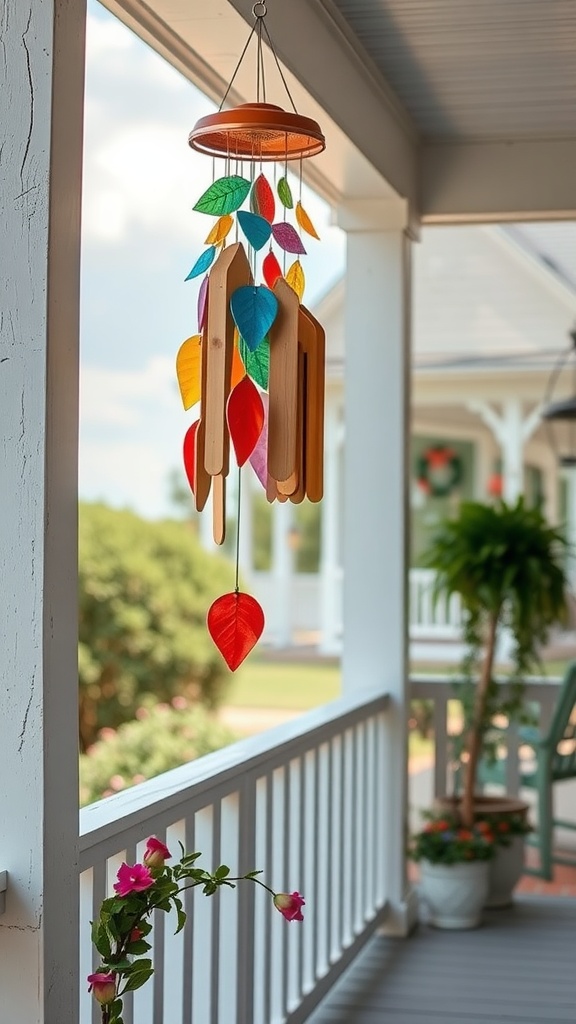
{"points": [[140, 239]]}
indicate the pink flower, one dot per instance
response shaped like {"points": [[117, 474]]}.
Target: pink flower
{"points": [[156, 853], [132, 878], [103, 986], [289, 905]]}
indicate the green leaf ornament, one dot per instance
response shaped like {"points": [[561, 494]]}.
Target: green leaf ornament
{"points": [[224, 196], [285, 193], [257, 363]]}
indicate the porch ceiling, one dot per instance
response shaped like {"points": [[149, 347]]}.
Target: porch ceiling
{"points": [[465, 110]]}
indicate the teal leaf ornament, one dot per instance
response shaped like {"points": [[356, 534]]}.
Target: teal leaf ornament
{"points": [[254, 311], [285, 193], [202, 263], [257, 363], [256, 228], [224, 196]]}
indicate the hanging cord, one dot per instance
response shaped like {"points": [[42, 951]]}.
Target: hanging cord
{"points": [[236, 584], [240, 59], [280, 72]]}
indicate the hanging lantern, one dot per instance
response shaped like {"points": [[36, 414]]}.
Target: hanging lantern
{"points": [[257, 363], [562, 439]]}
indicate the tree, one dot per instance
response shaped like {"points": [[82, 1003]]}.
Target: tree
{"points": [[506, 563], [145, 588]]}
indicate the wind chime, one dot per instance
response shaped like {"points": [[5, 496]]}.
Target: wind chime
{"points": [[257, 364]]}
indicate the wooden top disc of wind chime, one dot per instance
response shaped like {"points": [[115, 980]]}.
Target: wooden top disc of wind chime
{"points": [[257, 131]]}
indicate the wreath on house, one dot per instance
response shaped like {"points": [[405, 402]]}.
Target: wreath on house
{"points": [[438, 471]]}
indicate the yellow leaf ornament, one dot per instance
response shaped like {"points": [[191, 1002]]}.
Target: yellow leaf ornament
{"points": [[295, 278], [188, 370], [220, 230], [305, 222]]}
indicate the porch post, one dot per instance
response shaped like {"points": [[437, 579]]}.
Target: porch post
{"points": [[512, 430], [41, 109], [330, 569], [377, 324], [282, 572]]}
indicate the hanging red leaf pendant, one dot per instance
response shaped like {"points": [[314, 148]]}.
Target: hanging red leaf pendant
{"points": [[245, 415], [235, 623], [189, 453], [271, 269]]}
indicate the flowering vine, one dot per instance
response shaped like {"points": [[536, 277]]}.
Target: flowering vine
{"points": [[121, 930]]}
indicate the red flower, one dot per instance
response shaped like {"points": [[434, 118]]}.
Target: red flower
{"points": [[132, 878], [503, 826], [289, 905], [155, 853], [465, 833], [103, 986]]}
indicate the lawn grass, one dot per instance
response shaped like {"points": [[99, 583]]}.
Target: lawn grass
{"points": [[293, 686]]}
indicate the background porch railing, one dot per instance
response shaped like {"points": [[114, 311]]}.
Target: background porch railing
{"points": [[439, 689], [304, 803]]}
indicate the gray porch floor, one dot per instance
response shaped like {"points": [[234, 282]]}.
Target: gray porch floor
{"points": [[519, 968]]}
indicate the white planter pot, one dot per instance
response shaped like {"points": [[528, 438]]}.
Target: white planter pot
{"points": [[505, 872], [455, 893]]}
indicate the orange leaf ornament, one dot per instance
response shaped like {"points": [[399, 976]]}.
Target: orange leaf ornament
{"points": [[220, 230], [238, 368], [245, 415], [305, 222], [235, 623], [188, 370], [190, 453]]}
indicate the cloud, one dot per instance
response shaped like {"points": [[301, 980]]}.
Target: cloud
{"points": [[120, 397]]}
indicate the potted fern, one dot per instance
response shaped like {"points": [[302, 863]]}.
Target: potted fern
{"points": [[507, 564]]}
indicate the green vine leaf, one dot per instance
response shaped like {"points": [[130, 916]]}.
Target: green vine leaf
{"points": [[224, 196]]}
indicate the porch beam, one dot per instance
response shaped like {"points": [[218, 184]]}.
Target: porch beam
{"points": [[41, 109], [480, 182]]}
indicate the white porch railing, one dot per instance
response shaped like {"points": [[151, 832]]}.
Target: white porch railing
{"points": [[302, 802], [439, 689], [429, 619]]}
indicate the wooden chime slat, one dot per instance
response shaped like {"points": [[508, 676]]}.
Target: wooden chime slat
{"points": [[230, 271], [271, 490], [312, 339], [299, 493], [202, 480], [219, 509], [283, 384]]}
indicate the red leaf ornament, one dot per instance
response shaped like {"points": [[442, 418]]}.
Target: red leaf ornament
{"points": [[189, 453], [262, 199], [271, 269], [245, 415], [235, 623]]}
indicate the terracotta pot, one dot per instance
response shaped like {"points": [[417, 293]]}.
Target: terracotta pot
{"points": [[507, 867]]}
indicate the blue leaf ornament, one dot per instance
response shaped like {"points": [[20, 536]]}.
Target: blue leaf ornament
{"points": [[254, 311], [202, 263], [256, 228]]}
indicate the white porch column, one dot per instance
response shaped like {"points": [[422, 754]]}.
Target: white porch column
{"points": [[282, 571], [377, 319], [511, 429], [330, 568], [41, 98]]}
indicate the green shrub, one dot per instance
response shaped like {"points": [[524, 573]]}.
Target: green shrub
{"points": [[163, 736], [145, 588]]}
